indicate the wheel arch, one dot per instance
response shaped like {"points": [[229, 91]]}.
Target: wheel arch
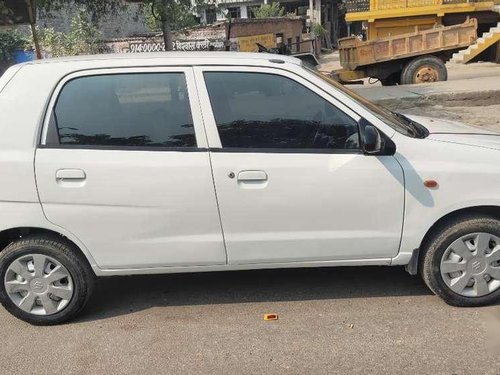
{"points": [[9, 235], [415, 262]]}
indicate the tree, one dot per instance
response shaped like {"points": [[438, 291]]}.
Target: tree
{"points": [[169, 14], [172, 13], [269, 10], [179, 18], [82, 38]]}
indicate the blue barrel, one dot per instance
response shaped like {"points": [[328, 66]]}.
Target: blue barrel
{"points": [[23, 56]]}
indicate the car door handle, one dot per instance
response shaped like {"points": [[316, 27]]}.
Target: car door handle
{"points": [[70, 174], [252, 176]]}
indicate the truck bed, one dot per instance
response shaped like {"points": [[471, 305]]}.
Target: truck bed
{"points": [[355, 53]]}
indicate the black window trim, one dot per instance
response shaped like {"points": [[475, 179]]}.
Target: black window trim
{"points": [[233, 150], [249, 150], [121, 148]]}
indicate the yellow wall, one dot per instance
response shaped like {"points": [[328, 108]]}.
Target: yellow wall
{"points": [[401, 25]]}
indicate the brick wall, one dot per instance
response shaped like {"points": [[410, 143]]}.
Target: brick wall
{"points": [[212, 37], [291, 28], [202, 38]]}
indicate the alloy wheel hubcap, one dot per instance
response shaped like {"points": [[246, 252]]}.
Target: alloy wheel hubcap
{"points": [[38, 284], [470, 266]]}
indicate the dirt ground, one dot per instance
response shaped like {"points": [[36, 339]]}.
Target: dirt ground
{"points": [[482, 111], [487, 116]]}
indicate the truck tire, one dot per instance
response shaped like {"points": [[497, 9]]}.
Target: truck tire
{"points": [[424, 69], [461, 261], [44, 280]]}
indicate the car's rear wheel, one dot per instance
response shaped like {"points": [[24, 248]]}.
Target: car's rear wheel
{"points": [[44, 280], [461, 262]]}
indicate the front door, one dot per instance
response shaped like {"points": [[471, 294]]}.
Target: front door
{"points": [[291, 180], [124, 166]]}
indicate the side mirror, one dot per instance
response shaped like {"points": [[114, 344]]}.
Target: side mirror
{"points": [[372, 142], [375, 142]]}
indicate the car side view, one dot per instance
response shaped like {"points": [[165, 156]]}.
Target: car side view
{"points": [[195, 162]]}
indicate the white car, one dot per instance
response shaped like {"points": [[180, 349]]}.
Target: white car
{"points": [[191, 162]]}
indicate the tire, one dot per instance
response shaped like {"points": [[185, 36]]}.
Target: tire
{"points": [[424, 69], [444, 246], [74, 284]]}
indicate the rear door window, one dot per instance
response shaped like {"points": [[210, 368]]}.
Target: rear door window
{"points": [[143, 109]]}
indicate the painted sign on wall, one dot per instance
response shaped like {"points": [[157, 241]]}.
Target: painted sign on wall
{"points": [[248, 43], [157, 45]]}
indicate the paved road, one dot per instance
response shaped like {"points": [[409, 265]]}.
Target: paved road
{"points": [[338, 320]]}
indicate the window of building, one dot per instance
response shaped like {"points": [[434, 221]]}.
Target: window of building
{"points": [[211, 16], [234, 12]]}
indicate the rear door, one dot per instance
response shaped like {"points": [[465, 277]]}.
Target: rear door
{"points": [[123, 165], [292, 182]]}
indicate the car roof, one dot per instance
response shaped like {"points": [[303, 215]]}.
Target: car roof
{"points": [[189, 58]]}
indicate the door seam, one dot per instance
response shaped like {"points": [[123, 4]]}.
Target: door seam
{"points": [[210, 162]]}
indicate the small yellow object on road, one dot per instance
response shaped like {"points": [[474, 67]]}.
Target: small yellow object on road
{"points": [[270, 316]]}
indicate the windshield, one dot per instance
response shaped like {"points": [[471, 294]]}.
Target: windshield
{"points": [[396, 121]]}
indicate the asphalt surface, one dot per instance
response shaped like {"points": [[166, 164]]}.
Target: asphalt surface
{"points": [[331, 320]]}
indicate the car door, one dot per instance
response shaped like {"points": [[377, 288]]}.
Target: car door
{"points": [[292, 182], [123, 165]]}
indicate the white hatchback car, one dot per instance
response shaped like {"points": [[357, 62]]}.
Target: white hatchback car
{"points": [[180, 162]]}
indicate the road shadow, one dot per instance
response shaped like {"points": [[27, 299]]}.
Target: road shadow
{"points": [[115, 296]]}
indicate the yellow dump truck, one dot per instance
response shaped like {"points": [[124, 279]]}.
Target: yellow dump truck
{"points": [[378, 19], [416, 57]]}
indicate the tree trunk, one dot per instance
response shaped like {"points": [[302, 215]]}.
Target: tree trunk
{"points": [[167, 36], [31, 14]]}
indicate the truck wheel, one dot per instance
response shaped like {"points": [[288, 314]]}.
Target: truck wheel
{"points": [[44, 280], [461, 262], [424, 69]]}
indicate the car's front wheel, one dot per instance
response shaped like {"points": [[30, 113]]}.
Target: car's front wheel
{"points": [[44, 280], [461, 261]]}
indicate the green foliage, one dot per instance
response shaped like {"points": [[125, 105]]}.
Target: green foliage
{"points": [[269, 10], [82, 39], [177, 12], [318, 30], [174, 14], [179, 16], [11, 41]]}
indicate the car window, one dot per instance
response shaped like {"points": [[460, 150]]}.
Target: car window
{"points": [[148, 109], [261, 110], [396, 121]]}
